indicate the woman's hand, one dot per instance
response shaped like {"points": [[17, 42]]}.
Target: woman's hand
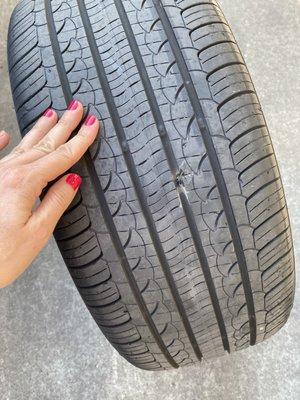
{"points": [[43, 155]]}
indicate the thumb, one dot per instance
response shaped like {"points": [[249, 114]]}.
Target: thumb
{"points": [[55, 202]]}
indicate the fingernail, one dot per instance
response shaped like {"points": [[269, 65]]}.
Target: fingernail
{"points": [[48, 113], [73, 105], [74, 181], [91, 119]]}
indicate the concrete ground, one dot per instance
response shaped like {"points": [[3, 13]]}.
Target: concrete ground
{"points": [[50, 348]]}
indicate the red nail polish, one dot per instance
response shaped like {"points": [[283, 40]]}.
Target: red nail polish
{"points": [[73, 105], [74, 181], [91, 119], [48, 113]]}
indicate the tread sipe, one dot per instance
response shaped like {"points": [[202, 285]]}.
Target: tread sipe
{"points": [[179, 239]]}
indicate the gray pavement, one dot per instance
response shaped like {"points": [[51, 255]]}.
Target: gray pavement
{"points": [[50, 348]]}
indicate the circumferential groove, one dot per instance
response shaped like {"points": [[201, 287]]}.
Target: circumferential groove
{"points": [[173, 165], [134, 175], [99, 190], [215, 163]]}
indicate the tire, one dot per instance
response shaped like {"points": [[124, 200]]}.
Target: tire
{"points": [[179, 240]]}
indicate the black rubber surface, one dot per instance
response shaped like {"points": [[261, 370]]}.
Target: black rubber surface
{"points": [[179, 240]]}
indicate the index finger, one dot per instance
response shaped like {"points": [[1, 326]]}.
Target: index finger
{"points": [[68, 154]]}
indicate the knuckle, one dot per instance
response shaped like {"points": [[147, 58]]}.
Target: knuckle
{"points": [[82, 136], [64, 123], [66, 151], [83, 141], [45, 146], [58, 199], [18, 150]]}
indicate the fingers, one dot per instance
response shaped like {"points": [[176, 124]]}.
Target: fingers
{"points": [[4, 139], [58, 134], [40, 129], [62, 159], [54, 204]]}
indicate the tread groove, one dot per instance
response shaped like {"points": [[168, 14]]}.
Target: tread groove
{"points": [[224, 195], [99, 190], [174, 169], [132, 170]]}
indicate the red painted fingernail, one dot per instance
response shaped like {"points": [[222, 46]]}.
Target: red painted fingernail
{"points": [[74, 181], [73, 105], [91, 119], [48, 113]]}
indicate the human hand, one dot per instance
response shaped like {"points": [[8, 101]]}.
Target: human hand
{"points": [[43, 155]]}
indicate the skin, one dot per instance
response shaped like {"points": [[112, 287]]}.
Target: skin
{"points": [[43, 155]]}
